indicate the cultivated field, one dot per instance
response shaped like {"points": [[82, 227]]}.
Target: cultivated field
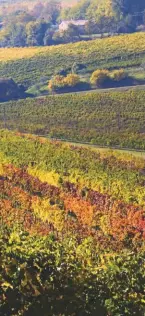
{"points": [[111, 118], [30, 65], [72, 222]]}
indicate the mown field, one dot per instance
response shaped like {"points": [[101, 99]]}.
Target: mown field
{"points": [[72, 229], [30, 65], [112, 118]]}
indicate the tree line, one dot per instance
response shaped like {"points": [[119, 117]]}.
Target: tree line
{"points": [[38, 25]]}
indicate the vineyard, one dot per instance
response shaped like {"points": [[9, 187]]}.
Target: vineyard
{"points": [[112, 119], [72, 164], [72, 229], [30, 65]]}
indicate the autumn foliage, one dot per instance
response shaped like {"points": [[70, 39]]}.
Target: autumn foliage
{"points": [[60, 82], [69, 241]]}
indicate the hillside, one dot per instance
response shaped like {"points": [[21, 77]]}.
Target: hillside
{"points": [[72, 229], [111, 118], [111, 173], [30, 65], [72, 158]]}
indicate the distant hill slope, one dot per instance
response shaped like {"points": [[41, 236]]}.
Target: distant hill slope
{"points": [[29, 65], [112, 118]]}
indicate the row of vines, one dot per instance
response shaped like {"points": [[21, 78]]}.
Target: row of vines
{"points": [[112, 119], [29, 65], [72, 229]]}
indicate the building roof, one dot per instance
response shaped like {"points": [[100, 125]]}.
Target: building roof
{"points": [[76, 22]]}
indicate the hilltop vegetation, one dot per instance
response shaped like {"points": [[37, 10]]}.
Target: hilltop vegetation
{"points": [[38, 23], [112, 118], [109, 9], [72, 229]]}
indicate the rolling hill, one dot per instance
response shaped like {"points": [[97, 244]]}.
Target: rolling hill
{"points": [[111, 118], [30, 65]]}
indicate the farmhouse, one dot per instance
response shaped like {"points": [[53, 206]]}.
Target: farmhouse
{"points": [[65, 24]]}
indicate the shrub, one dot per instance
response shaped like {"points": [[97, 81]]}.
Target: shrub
{"points": [[56, 83], [99, 77], [9, 89], [118, 75], [72, 80], [60, 82]]}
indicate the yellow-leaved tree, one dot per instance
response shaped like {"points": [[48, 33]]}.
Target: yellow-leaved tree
{"points": [[119, 75], [57, 82], [99, 78], [60, 82], [72, 80]]}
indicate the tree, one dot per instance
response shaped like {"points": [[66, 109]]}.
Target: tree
{"points": [[91, 28], [18, 16], [59, 82], [72, 31], [35, 33], [77, 11], [99, 78], [17, 35], [51, 10], [58, 38], [47, 40], [37, 10], [10, 90]]}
